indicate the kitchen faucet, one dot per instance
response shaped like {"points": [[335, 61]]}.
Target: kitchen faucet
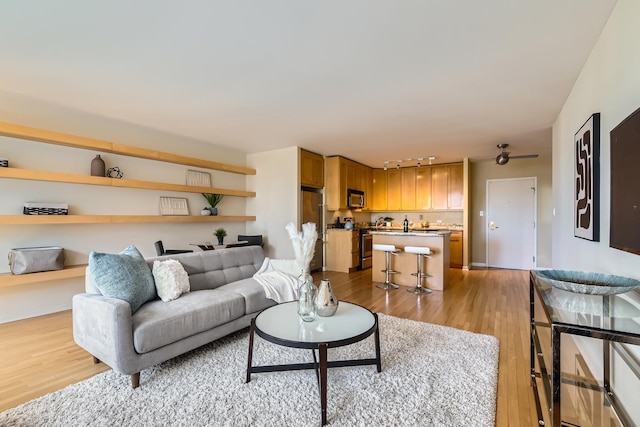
{"points": [[377, 223]]}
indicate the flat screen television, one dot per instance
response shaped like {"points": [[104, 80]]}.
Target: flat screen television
{"points": [[625, 185]]}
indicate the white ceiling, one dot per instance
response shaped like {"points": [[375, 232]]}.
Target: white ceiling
{"points": [[372, 80]]}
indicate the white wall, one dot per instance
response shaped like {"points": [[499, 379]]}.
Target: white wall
{"points": [[24, 301], [278, 193], [609, 83]]}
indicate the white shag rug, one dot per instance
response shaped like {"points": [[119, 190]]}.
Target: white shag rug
{"points": [[431, 376]]}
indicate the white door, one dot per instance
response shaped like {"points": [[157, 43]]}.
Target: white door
{"points": [[511, 223]]}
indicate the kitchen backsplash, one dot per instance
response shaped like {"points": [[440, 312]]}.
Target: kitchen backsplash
{"points": [[449, 218], [446, 218]]}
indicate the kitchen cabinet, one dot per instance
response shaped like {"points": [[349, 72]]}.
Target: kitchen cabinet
{"points": [[421, 188], [408, 200], [394, 189], [343, 174], [353, 177], [455, 250], [311, 169], [456, 186], [379, 199], [439, 188], [335, 183], [343, 250]]}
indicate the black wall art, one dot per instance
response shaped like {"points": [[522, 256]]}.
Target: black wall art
{"points": [[587, 180], [625, 191]]}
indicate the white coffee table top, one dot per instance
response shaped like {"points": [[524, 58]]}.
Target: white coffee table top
{"points": [[283, 325]]}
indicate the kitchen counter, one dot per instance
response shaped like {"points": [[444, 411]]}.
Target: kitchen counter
{"points": [[405, 263]]}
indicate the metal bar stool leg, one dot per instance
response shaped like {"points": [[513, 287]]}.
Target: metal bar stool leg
{"points": [[421, 252], [389, 250]]}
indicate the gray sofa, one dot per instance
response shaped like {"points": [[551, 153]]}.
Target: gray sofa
{"points": [[223, 299]]}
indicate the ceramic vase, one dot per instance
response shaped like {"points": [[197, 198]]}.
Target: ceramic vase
{"points": [[326, 300], [214, 211], [307, 292], [97, 166]]}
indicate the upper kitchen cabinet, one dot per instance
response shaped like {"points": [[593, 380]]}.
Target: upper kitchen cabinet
{"points": [[447, 187], [419, 188], [343, 174], [408, 201], [456, 186], [439, 187], [379, 193], [311, 169], [335, 183], [394, 190], [423, 188]]}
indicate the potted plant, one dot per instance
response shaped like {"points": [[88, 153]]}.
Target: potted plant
{"points": [[220, 233], [213, 200]]}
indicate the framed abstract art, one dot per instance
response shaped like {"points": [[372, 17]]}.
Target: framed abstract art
{"points": [[587, 180]]}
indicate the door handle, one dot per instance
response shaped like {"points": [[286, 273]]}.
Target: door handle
{"points": [[492, 226]]}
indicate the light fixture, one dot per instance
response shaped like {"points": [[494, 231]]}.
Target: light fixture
{"points": [[503, 157], [404, 162]]}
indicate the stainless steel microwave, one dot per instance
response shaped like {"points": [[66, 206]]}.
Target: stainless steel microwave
{"points": [[355, 199]]}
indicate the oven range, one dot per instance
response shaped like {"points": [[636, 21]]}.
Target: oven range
{"points": [[366, 248]]}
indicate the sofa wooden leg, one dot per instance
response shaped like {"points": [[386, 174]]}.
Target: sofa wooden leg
{"points": [[96, 360], [135, 380]]}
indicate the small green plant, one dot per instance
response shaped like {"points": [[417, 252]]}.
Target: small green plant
{"points": [[213, 199], [220, 233]]}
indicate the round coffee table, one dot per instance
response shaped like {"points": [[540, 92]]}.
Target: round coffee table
{"points": [[280, 324]]}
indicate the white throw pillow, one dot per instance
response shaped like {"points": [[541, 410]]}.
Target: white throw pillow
{"points": [[171, 279]]}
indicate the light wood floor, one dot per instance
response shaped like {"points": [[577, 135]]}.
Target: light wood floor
{"points": [[38, 355]]}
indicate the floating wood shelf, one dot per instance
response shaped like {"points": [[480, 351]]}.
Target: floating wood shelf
{"points": [[35, 175], [115, 219], [8, 279], [57, 138]]}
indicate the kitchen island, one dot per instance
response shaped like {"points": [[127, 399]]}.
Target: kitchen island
{"points": [[405, 263]]}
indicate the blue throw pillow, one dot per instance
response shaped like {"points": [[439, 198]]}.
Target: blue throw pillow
{"points": [[125, 276]]}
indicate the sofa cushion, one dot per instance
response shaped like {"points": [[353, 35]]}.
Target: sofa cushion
{"points": [[212, 269], [253, 293], [157, 324], [125, 276], [170, 278]]}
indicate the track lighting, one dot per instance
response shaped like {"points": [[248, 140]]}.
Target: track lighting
{"points": [[417, 161]]}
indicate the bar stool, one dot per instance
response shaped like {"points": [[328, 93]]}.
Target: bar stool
{"points": [[389, 250], [421, 252]]}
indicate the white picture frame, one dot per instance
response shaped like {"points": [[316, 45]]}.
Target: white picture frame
{"points": [[173, 206], [198, 179]]}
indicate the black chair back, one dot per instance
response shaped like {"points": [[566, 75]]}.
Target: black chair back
{"points": [[253, 240], [161, 251]]}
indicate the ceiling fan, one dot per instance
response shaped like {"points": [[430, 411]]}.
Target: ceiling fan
{"points": [[503, 157]]}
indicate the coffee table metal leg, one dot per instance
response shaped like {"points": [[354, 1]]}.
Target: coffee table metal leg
{"points": [[377, 339], [250, 357], [322, 350]]}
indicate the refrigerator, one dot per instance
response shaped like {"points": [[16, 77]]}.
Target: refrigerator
{"points": [[312, 210]]}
